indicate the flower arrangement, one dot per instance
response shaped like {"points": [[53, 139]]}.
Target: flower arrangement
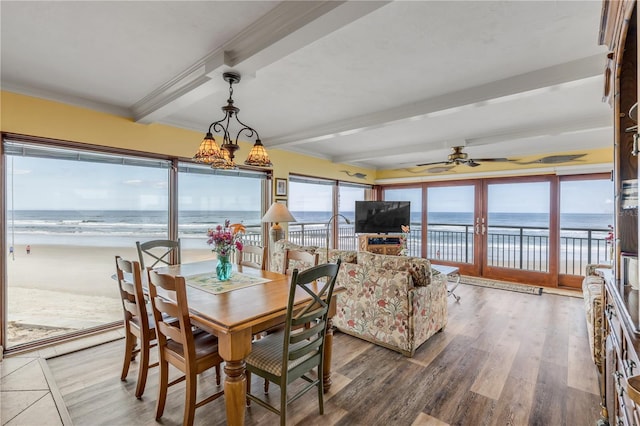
{"points": [[227, 238], [404, 249]]}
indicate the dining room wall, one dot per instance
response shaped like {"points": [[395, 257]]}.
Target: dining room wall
{"points": [[33, 116]]}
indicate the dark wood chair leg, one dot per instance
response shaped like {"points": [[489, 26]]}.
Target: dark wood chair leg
{"points": [[248, 376]]}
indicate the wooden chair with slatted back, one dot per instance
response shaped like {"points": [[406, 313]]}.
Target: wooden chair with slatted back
{"points": [[138, 321], [252, 256], [178, 345], [163, 252], [302, 260], [292, 353]]}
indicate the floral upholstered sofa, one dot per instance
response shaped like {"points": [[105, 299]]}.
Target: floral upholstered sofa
{"points": [[393, 301], [276, 264]]}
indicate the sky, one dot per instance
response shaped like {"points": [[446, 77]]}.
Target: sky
{"points": [[41, 184]]}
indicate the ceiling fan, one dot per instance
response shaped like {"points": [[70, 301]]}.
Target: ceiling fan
{"points": [[458, 157]]}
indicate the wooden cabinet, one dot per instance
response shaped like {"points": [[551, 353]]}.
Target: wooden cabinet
{"points": [[622, 346], [621, 325], [379, 244], [619, 34]]}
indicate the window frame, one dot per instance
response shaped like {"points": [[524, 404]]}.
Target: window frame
{"points": [[43, 142]]}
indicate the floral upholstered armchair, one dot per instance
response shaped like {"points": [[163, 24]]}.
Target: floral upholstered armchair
{"points": [[393, 301]]}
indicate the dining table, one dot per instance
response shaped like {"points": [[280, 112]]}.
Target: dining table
{"points": [[236, 315]]}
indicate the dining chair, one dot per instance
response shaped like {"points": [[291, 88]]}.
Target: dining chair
{"points": [[252, 256], [138, 321], [301, 260], [293, 352], [178, 345], [165, 252]]}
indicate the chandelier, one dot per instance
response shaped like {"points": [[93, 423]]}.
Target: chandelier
{"points": [[222, 157]]}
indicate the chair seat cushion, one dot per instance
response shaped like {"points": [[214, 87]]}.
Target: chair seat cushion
{"points": [[266, 354]]}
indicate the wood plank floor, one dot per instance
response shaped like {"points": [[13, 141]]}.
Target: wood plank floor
{"points": [[505, 358]]}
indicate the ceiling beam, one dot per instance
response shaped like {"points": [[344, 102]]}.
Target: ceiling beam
{"points": [[573, 72], [584, 125], [285, 29]]}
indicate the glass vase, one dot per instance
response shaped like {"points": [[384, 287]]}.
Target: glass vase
{"points": [[223, 269]]}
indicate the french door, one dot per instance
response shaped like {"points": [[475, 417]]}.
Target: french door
{"points": [[492, 228]]}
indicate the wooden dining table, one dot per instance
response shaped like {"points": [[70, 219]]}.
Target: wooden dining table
{"points": [[237, 315]]}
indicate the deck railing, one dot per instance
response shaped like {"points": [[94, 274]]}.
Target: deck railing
{"points": [[518, 247]]}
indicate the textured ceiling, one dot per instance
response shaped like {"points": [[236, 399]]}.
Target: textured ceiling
{"points": [[383, 85]]}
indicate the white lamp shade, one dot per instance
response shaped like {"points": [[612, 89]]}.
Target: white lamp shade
{"points": [[278, 213]]}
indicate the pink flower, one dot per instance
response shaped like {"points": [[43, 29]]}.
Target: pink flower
{"points": [[226, 239]]}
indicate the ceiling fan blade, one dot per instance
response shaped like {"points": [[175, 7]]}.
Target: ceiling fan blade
{"points": [[431, 164], [440, 169], [486, 160], [555, 159], [471, 163]]}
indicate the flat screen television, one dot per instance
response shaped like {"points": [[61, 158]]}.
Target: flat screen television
{"points": [[382, 217]]}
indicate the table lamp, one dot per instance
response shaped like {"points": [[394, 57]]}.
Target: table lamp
{"points": [[277, 213]]}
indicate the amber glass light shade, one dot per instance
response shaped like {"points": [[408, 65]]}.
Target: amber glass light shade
{"points": [[258, 156], [209, 151], [226, 162]]}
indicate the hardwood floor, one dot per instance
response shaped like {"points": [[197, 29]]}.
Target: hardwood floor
{"points": [[505, 358]]}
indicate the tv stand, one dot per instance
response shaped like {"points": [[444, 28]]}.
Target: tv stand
{"points": [[380, 243]]}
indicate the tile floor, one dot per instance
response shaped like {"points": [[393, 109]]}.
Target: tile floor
{"points": [[28, 393]]}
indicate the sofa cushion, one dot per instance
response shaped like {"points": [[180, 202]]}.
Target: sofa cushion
{"points": [[418, 268], [346, 256]]}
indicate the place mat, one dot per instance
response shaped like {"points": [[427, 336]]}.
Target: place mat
{"points": [[211, 284]]}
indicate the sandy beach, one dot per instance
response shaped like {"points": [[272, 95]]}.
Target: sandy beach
{"points": [[58, 288]]}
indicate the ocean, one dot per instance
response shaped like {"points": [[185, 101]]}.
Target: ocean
{"points": [[124, 227]]}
